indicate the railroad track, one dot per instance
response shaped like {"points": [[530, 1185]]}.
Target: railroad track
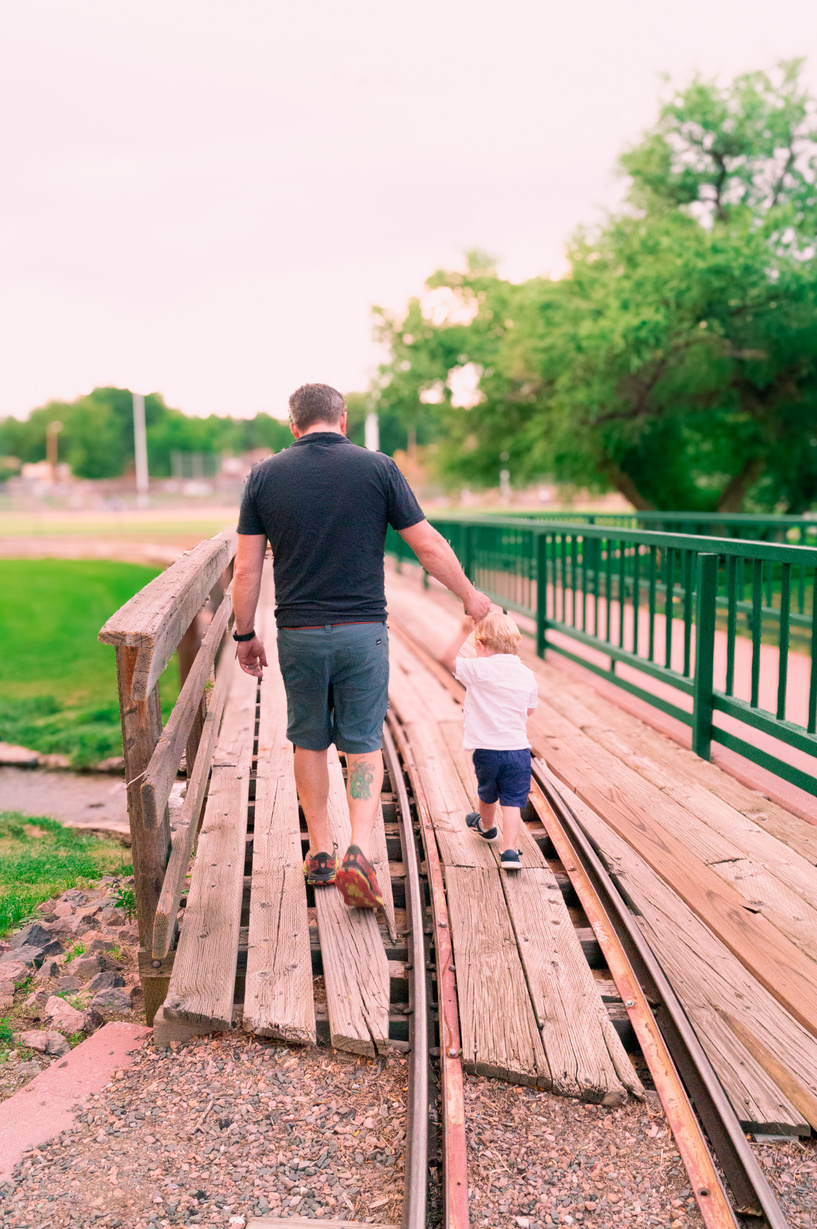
{"points": [[728, 1184]]}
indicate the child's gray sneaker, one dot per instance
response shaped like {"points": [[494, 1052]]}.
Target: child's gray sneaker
{"points": [[472, 820], [509, 860]]}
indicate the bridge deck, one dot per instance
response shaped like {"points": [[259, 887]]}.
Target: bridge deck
{"points": [[723, 880]]}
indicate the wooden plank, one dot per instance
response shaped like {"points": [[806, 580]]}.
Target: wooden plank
{"points": [[155, 619], [278, 999], [447, 798], [584, 764], [708, 978], [499, 1033], [776, 963], [354, 960], [186, 828], [770, 856], [203, 981], [584, 1053], [164, 763], [792, 831], [803, 1101]]}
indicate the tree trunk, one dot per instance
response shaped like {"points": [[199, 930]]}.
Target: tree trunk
{"points": [[624, 483], [731, 499]]}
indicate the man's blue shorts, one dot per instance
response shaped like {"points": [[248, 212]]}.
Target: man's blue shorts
{"points": [[503, 775], [337, 685]]}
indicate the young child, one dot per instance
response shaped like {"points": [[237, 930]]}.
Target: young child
{"points": [[500, 695]]}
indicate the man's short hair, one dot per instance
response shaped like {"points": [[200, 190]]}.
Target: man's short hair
{"points": [[314, 403], [498, 632]]}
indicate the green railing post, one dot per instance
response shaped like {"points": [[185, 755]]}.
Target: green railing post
{"points": [[704, 655], [541, 593], [466, 551]]}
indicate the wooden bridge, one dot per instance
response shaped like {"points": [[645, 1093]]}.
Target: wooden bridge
{"points": [[722, 881]]}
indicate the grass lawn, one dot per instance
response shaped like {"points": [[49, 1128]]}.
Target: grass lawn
{"points": [[39, 858], [57, 682]]}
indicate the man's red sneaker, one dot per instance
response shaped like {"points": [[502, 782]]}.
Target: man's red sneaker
{"points": [[357, 881]]}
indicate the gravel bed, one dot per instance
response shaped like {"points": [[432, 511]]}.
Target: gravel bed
{"points": [[535, 1159], [791, 1168], [219, 1130]]}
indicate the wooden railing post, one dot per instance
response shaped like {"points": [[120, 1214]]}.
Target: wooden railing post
{"points": [[704, 655], [141, 730], [541, 593]]}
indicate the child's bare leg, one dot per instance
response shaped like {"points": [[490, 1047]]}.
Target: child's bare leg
{"points": [[487, 810], [511, 822]]}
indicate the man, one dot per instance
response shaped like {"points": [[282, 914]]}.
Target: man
{"points": [[324, 505]]}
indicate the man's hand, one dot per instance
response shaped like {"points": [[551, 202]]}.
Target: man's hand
{"points": [[478, 606], [251, 657]]}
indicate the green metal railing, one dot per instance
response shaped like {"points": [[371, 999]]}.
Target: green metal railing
{"points": [[792, 530], [729, 623]]}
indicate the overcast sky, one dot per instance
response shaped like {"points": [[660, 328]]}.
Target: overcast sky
{"points": [[205, 199]]}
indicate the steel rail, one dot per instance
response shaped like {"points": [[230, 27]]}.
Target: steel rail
{"points": [[415, 1191], [455, 1161], [749, 1185]]}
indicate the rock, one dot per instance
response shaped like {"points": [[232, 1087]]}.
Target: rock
{"points": [[33, 935], [111, 1000], [54, 761], [57, 1045], [35, 1002], [32, 1039], [65, 1017], [26, 1070], [114, 763], [67, 983], [111, 916], [29, 957], [63, 908], [76, 896], [107, 980], [84, 967], [13, 970], [104, 945], [48, 968], [18, 757]]}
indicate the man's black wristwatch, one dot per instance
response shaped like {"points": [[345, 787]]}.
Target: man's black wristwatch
{"points": [[246, 636]]}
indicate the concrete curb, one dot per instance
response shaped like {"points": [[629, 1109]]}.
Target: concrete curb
{"points": [[51, 1101]]}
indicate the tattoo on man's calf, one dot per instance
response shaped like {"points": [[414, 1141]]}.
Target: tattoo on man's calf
{"points": [[360, 780]]}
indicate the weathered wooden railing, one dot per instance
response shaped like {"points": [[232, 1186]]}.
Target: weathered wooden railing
{"points": [[146, 631]]}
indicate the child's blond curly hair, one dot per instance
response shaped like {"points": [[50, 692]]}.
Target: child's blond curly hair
{"points": [[497, 632]]}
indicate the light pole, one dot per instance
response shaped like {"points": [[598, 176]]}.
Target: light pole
{"points": [[140, 448], [52, 431]]}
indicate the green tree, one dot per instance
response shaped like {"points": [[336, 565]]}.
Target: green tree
{"points": [[677, 362]]}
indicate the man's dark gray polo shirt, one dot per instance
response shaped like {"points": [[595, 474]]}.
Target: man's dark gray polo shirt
{"points": [[324, 505]]}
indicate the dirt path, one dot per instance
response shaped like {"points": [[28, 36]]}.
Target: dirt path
{"points": [[77, 799]]}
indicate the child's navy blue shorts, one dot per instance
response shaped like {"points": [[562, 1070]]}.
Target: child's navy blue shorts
{"points": [[503, 775]]}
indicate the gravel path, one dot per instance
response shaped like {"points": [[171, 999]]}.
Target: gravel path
{"points": [[536, 1159], [225, 1128]]}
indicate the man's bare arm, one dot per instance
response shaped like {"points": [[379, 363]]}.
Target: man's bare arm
{"points": [[439, 561], [249, 564]]}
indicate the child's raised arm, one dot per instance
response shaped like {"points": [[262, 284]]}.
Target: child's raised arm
{"points": [[449, 657]]}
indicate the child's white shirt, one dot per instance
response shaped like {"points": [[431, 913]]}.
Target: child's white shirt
{"points": [[499, 692]]}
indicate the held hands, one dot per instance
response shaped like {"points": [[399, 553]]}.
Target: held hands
{"points": [[478, 606], [251, 657]]}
